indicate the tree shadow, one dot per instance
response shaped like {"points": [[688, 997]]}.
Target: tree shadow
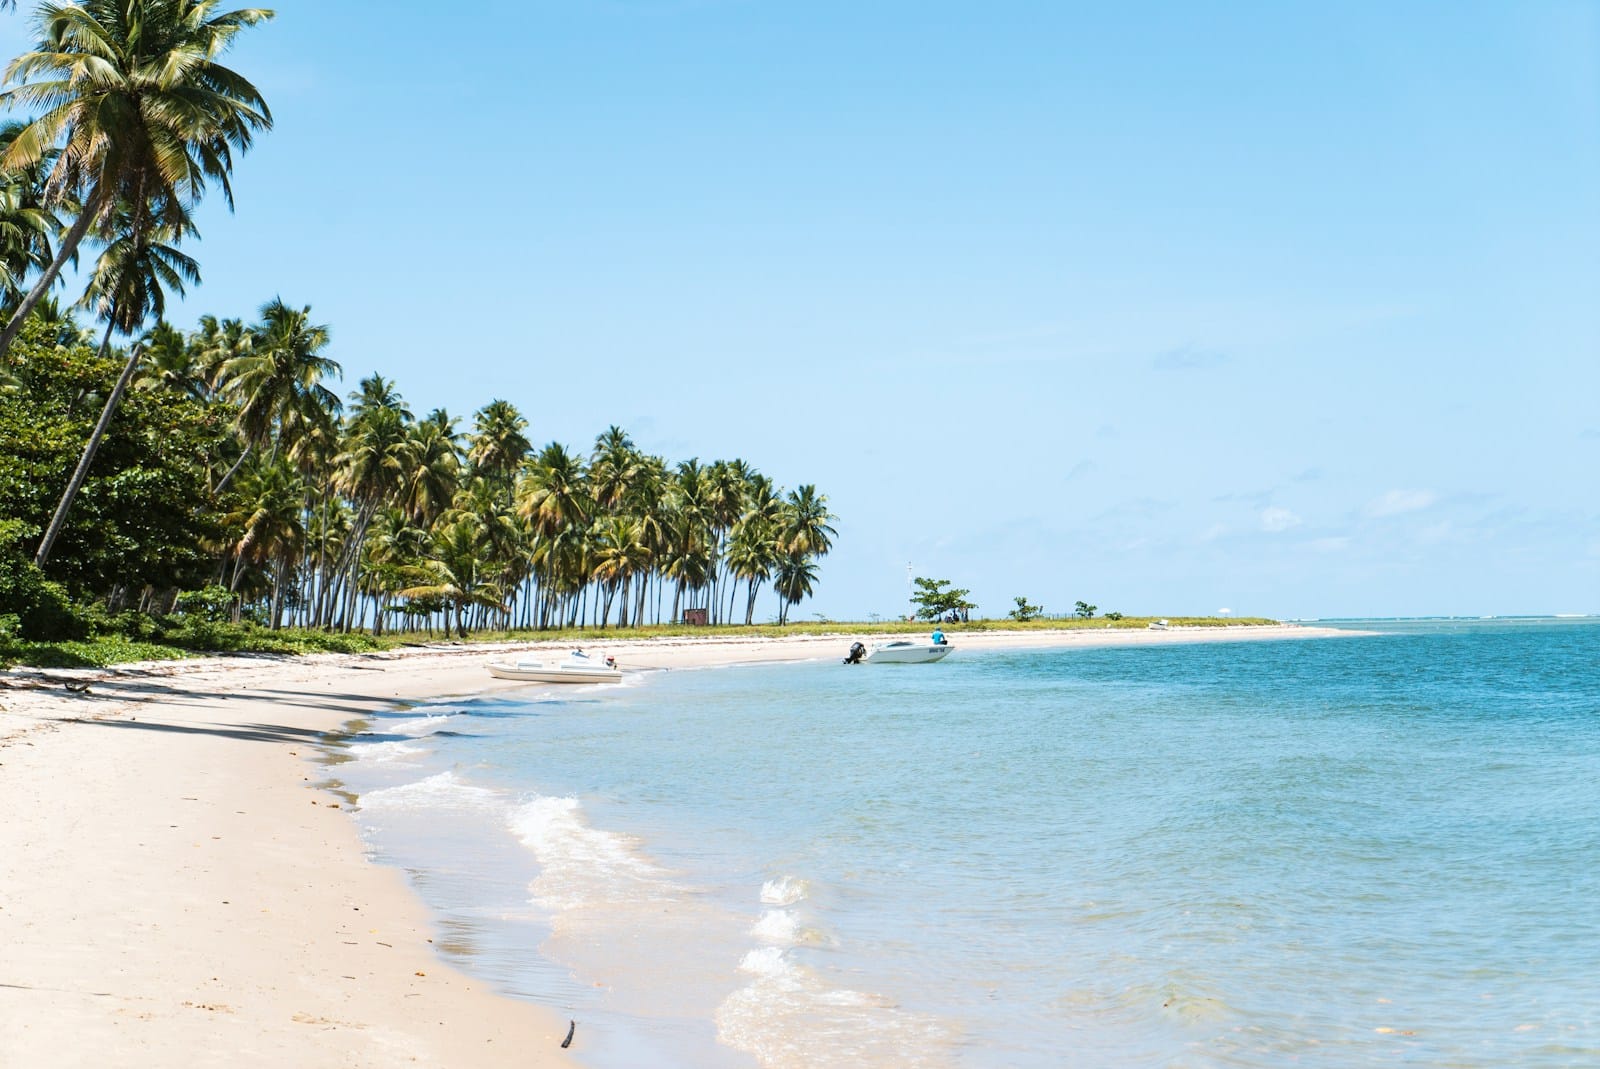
{"points": [[244, 732]]}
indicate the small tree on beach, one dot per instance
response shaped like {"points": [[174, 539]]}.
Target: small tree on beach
{"points": [[1083, 610], [1025, 612], [935, 598]]}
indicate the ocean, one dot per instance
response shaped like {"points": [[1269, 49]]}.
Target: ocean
{"points": [[1328, 852]]}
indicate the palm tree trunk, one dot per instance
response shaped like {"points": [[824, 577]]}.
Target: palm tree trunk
{"points": [[236, 464], [60, 518], [69, 245], [277, 590], [750, 605]]}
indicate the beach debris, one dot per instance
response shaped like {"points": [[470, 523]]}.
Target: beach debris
{"points": [[572, 1026], [77, 688]]}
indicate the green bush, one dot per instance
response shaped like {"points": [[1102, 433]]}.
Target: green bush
{"points": [[212, 603], [42, 609]]}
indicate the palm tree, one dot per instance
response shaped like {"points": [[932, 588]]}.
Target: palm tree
{"points": [[131, 278], [804, 528], [128, 285], [553, 499], [480, 499], [61, 328], [215, 343], [751, 555], [613, 467], [619, 555], [554, 492], [27, 224], [138, 111], [724, 488], [272, 527], [376, 392], [687, 559], [498, 443], [278, 377], [371, 468], [396, 550], [170, 363], [459, 573], [795, 579], [430, 484]]}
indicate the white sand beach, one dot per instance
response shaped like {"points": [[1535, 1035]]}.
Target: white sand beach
{"points": [[181, 882]]}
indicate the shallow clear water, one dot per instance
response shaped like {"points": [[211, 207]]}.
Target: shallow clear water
{"points": [[1326, 852]]}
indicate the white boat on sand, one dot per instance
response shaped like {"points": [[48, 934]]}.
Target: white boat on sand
{"points": [[903, 652], [576, 667]]}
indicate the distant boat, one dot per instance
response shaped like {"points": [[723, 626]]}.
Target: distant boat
{"points": [[576, 667], [903, 652], [1158, 625]]}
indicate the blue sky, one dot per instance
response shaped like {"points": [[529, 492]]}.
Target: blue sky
{"points": [[1288, 309]]}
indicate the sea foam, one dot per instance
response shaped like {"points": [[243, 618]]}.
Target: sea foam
{"points": [[444, 791]]}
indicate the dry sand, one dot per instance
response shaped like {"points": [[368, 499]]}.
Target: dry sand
{"points": [[181, 883]]}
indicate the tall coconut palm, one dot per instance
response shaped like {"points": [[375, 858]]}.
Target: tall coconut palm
{"points": [[795, 579], [128, 286], [215, 343], [499, 444], [61, 326], [619, 556], [459, 572], [376, 392], [613, 467], [724, 486], [554, 492], [278, 377], [271, 524], [805, 527], [502, 534], [27, 223], [170, 364], [751, 556], [132, 100], [371, 468], [396, 549], [431, 483], [133, 273]]}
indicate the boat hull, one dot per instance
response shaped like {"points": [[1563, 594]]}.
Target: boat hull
{"points": [[907, 653], [550, 674]]}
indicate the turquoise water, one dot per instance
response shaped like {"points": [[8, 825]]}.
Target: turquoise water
{"points": [[1336, 852]]}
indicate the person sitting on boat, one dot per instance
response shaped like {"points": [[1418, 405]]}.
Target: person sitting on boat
{"points": [[938, 637]]}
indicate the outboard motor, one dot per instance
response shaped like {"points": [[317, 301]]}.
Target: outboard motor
{"points": [[857, 651]]}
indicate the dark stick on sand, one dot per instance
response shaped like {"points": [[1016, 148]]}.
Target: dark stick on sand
{"points": [[572, 1027]]}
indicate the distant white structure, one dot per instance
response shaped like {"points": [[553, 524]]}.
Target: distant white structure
{"points": [[1224, 612]]}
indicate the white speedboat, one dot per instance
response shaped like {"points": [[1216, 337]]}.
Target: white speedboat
{"points": [[902, 652], [574, 668]]}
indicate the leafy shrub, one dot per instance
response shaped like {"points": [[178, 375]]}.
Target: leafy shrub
{"points": [[1025, 612], [212, 603]]}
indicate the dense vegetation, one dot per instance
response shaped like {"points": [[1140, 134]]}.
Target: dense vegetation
{"points": [[181, 475], [229, 470]]}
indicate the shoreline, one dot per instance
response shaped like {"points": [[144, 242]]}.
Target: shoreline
{"points": [[180, 879]]}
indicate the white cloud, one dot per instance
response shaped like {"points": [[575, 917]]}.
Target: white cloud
{"points": [[1396, 502], [1279, 519]]}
